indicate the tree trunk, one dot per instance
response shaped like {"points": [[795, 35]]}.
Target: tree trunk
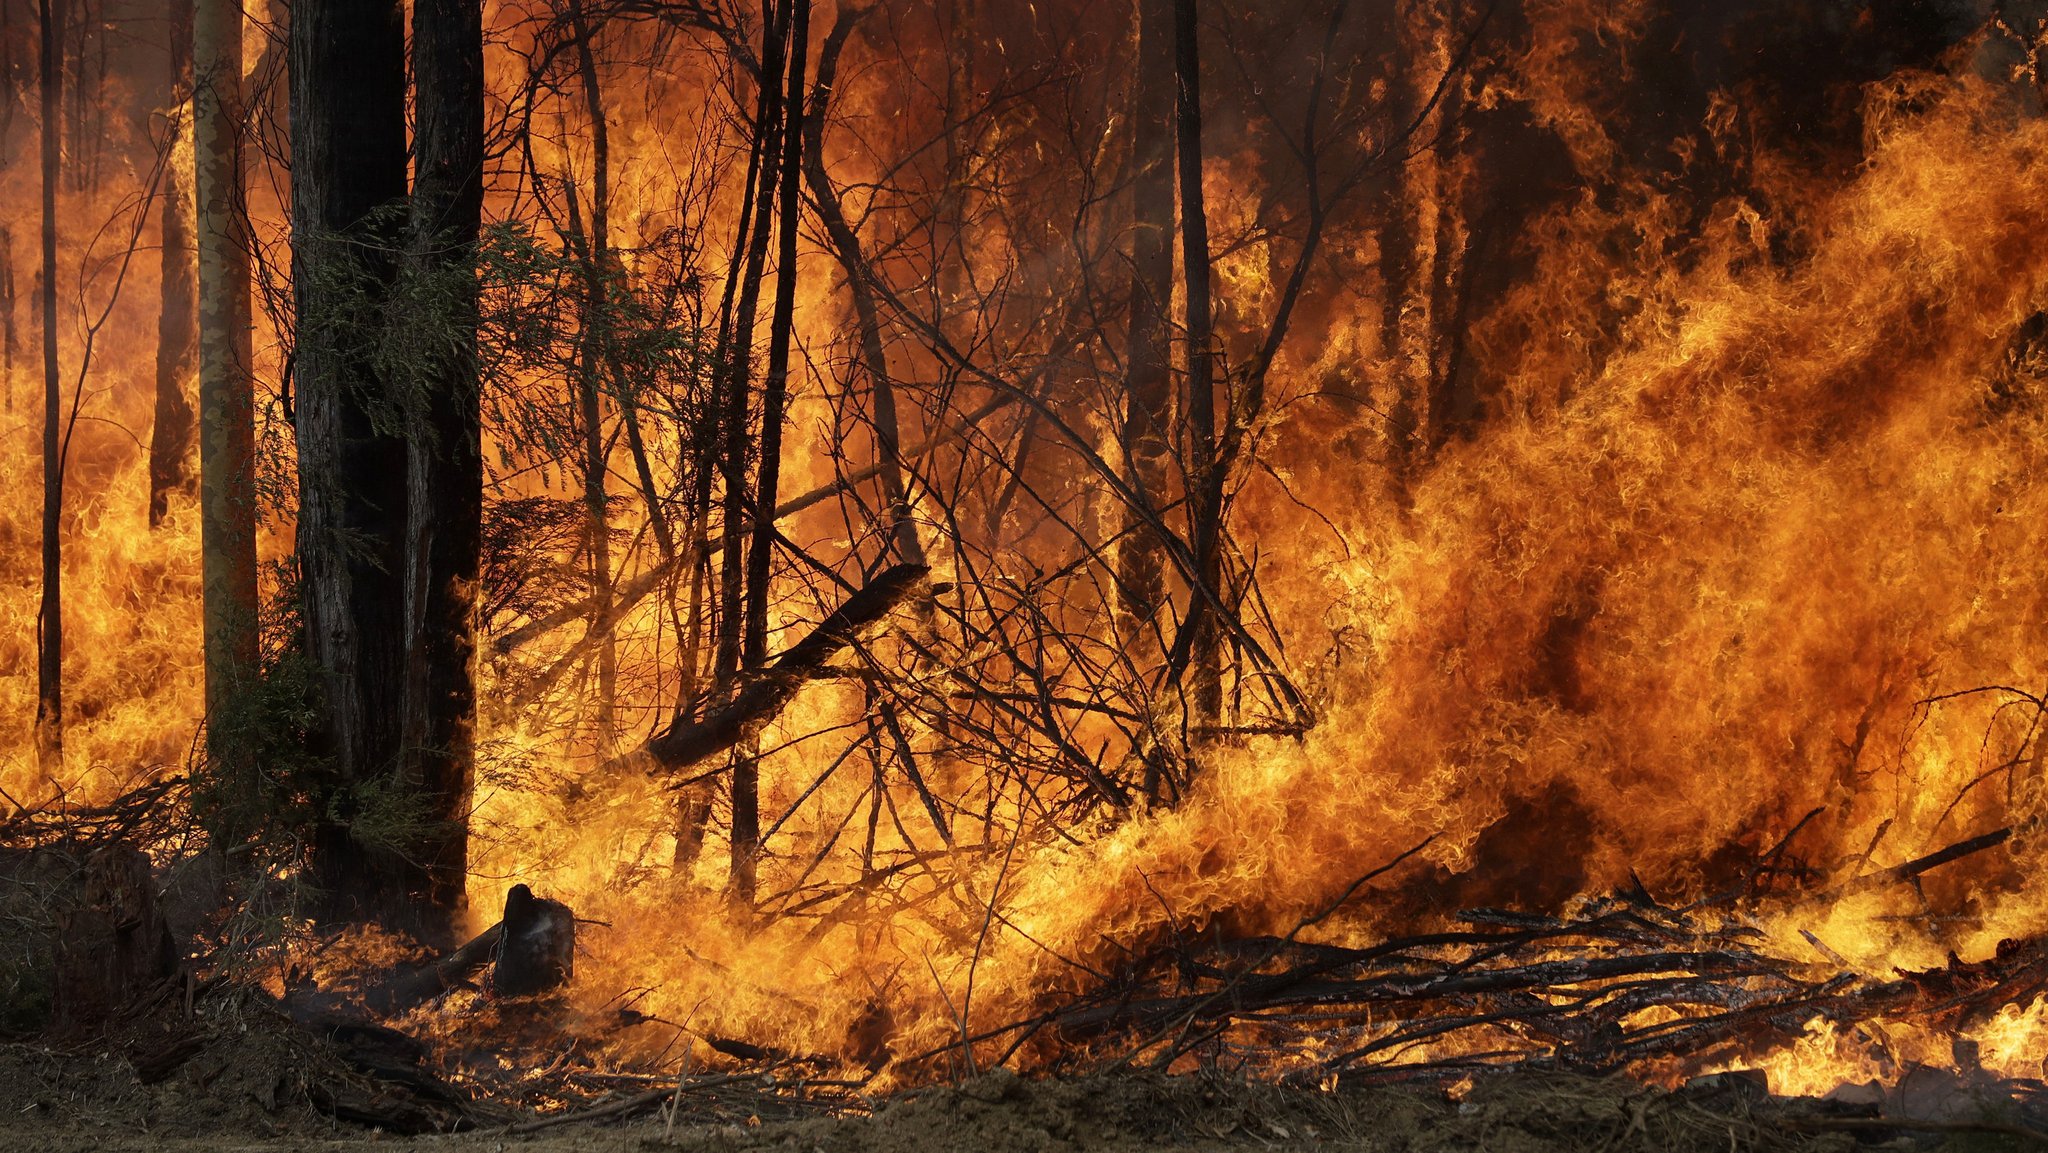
{"points": [[591, 357], [445, 450], [170, 442], [113, 945], [50, 614], [746, 811], [736, 350], [1148, 376], [1409, 227], [227, 441], [874, 357], [734, 628], [348, 172], [11, 69], [1205, 474]]}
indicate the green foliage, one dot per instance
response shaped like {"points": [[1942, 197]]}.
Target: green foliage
{"points": [[264, 786], [547, 314], [254, 791], [28, 944]]}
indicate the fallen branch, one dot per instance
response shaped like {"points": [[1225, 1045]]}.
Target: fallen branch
{"points": [[438, 977], [769, 693], [1898, 874], [637, 1101]]}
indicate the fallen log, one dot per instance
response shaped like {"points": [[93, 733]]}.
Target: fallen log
{"points": [[537, 953], [432, 980], [769, 692]]}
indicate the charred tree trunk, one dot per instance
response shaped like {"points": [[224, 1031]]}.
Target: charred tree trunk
{"points": [[736, 350], [746, 813], [170, 442], [11, 83], [1411, 234], [112, 942], [348, 172], [740, 506], [1453, 400], [874, 357], [50, 614], [1205, 474], [445, 448], [227, 390], [722, 446], [591, 358], [1148, 378]]}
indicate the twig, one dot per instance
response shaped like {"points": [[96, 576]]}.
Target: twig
{"points": [[636, 1102]]}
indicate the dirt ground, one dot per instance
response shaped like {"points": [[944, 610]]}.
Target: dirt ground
{"points": [[256, 1090]]}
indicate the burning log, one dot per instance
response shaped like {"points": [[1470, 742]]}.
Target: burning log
{"points": [[768, 694], [531, 949], [429, 981], [536, 948]]}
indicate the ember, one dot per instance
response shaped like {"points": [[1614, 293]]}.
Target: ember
{"points": [[599, 559]]}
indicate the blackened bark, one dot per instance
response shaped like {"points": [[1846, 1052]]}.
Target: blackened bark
{"points": [[445, 451], [177, 332], [734, 406], [1206, 474], [10, 328], [113, 945], [347, 60], [867, 315], [1148, 377], [50, 613], [591, 358], [746, 813], [736, 351]]}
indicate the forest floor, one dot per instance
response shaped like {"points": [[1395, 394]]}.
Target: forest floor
{"points": [[256, 1090]]}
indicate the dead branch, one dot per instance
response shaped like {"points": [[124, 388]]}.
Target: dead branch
{"points": [[769, 693]]}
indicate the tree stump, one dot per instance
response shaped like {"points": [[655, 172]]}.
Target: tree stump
{"points": [[536, 945], [112, 942]]}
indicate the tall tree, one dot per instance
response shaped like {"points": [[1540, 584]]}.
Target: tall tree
{"points": [[1148, 376], [746, 802], [867, 312], [348, 176], [733, 404], [170, 441], [12, 80], [445, 451], [10, 328], [592, 356], [50, 614], [227, 448], [1206, 472]]}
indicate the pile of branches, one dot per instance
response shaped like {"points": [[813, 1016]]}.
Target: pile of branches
{"points": [[153, 812], [1621, 984]]}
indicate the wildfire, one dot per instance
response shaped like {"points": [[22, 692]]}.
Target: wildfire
{"points": [[1663, 525]]}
